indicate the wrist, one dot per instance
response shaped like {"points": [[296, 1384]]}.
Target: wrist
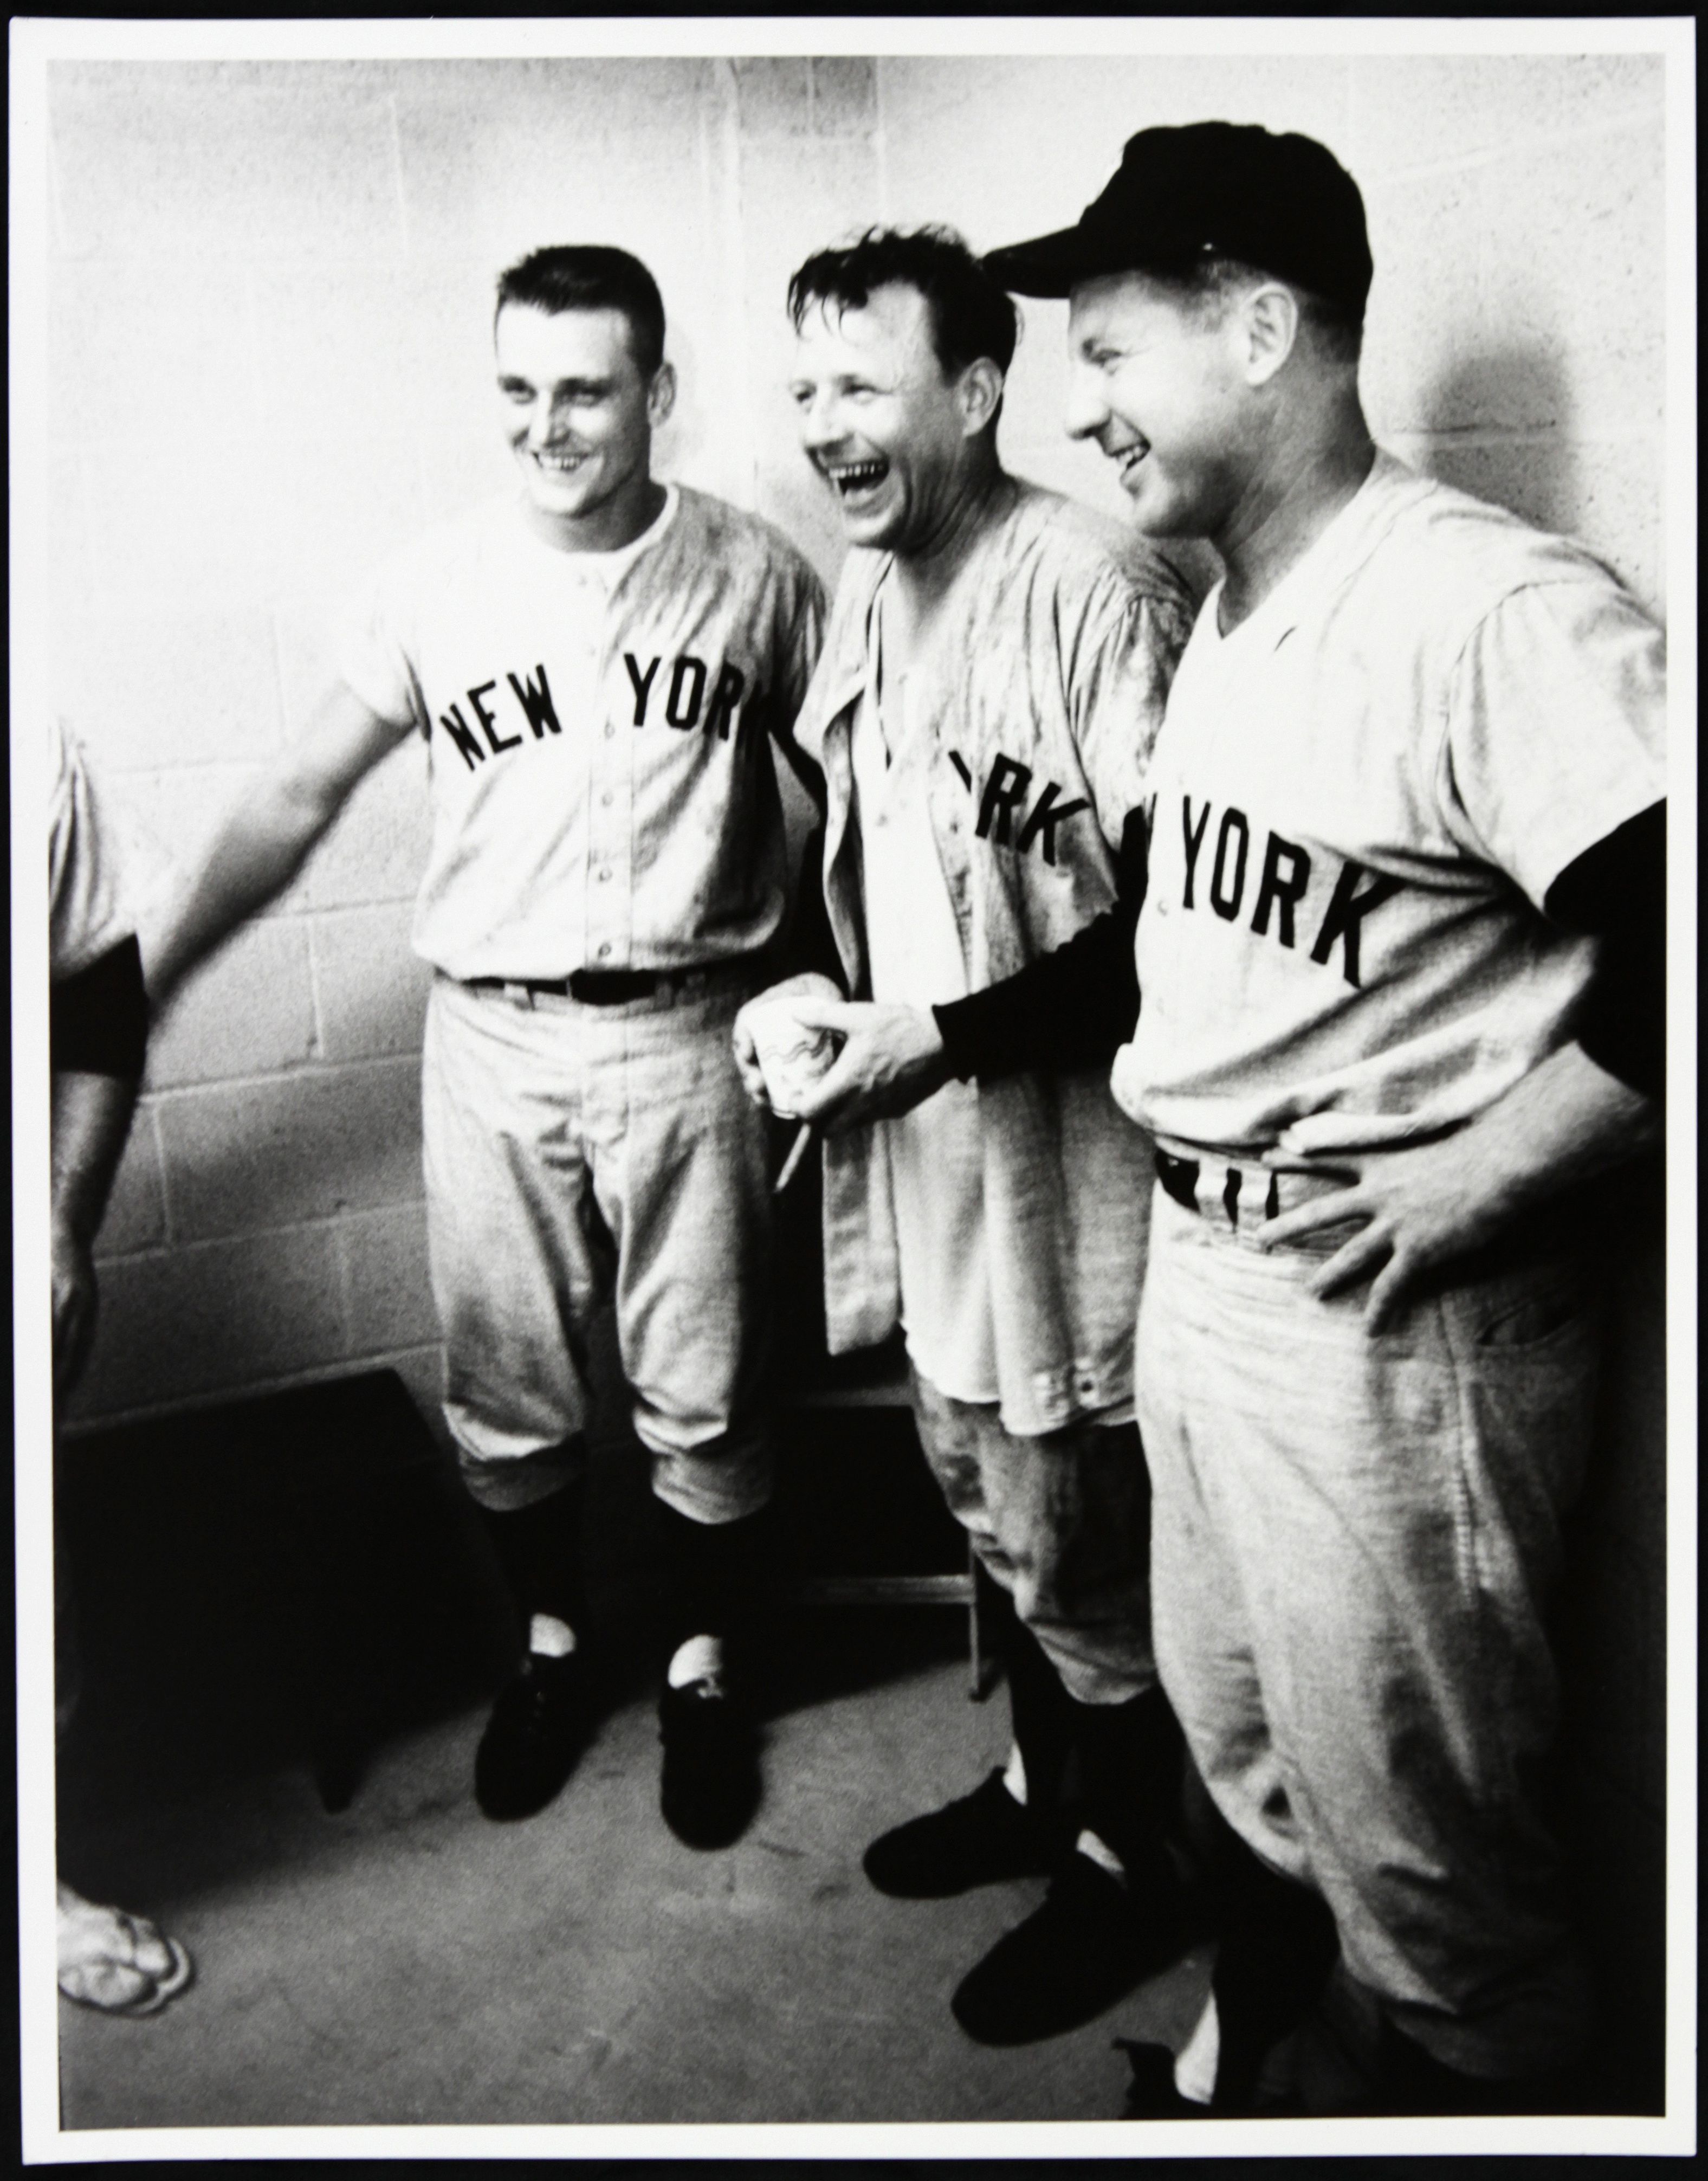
{"points": [[931, 1051], [73, 1222]]}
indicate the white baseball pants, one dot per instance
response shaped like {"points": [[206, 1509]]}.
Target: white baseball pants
{"points": [[1062, 1523], [1353, 1544], [574, 1152]]}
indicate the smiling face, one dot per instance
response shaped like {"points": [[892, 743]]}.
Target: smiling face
{"points": [[880, 422], [580, 417], [1161, 389]]}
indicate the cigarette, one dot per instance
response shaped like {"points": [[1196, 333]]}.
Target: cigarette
{"points": [[797, 1151]]}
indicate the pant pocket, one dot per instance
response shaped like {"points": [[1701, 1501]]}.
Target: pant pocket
{"points": [[1532, 1319]]}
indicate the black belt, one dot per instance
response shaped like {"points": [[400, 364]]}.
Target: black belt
{"points": [[1179, 1179], [594, 988]]}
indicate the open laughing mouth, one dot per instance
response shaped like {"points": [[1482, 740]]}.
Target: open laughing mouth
{"points": [[856, 481]]}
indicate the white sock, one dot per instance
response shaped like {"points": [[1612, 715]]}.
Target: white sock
{"points": [[1014, 1774], [1101, 1853], [1194, 2071], [701, 1659], [551, 1637]]}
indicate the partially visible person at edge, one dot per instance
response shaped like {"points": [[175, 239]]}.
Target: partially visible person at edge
{"points": [[993, 678], [97, 1038], [1400, 997]]}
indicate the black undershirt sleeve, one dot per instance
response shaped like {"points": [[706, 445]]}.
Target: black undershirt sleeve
{"points": [[1618, 890], [1072, 1008], [98, 1020]]}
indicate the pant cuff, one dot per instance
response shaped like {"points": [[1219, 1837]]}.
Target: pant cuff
{"points": [[505, 1483], [724, 1480]]}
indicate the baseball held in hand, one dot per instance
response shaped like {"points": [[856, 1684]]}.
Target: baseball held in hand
{"points": [[793, 1055]]}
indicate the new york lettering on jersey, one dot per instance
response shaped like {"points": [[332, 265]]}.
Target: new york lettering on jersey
{"points": [[596, 728], [1234, 868], [1003, 797], [684, 703]]}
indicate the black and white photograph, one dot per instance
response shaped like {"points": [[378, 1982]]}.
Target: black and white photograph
{"points": [[851, 1315]]}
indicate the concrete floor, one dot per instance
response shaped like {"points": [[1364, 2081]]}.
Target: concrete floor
{"points": [[331, 1598], [336, 1604], [407, 1960]]}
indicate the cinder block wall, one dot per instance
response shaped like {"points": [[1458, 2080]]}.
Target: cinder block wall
{"points": [[270, 362], [1513, 343]]}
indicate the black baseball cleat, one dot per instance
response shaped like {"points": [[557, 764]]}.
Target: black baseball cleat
{"points": [[975, 1841], [710, 1786], [538, 1728], [1089, 1945]]}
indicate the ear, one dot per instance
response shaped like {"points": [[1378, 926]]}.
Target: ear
{"points": [[1269, 319], [661, 395], [979, 394]]}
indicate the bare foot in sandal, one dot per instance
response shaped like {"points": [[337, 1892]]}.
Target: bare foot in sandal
{"points": [[117, 1962]]}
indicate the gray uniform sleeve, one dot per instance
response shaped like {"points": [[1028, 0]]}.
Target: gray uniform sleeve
{"points": [[1555, 728], [86, 913], [372, 650], [800, 637]]}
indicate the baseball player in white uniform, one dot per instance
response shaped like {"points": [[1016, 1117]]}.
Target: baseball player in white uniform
{"points": [[598, 667], [1399, 974], [993, 674], [97, 1035], [1400, 969]]}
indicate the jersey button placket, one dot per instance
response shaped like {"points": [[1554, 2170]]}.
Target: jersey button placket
{"points": [[607, 761], [614, 903]]}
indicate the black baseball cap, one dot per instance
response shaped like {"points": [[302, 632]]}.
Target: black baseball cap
{"points": [[1283, 204]]}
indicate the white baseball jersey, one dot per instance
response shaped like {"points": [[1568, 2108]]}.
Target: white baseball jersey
{"points": [[1360, 797], [85, 916], [603, 794], [914, 953], [1030, 726]]}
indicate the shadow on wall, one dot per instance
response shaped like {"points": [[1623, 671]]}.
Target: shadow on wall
{"points": [[1499, 425]]}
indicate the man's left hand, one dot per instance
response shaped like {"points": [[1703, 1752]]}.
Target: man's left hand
{"points": [[1423, 1205], [891, 1061], [1420, 1207]]}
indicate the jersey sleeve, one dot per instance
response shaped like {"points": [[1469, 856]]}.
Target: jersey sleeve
{"points": [[373, 650], [1555, 728], [1120, 676], [799, 638], [87, 911]]}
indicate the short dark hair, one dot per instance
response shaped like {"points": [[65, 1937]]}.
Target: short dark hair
{"points": [[1204, 282], [591, 276], [971, 315]]}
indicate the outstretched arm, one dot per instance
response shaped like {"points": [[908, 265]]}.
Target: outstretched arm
{"points": [[265, 836]]}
